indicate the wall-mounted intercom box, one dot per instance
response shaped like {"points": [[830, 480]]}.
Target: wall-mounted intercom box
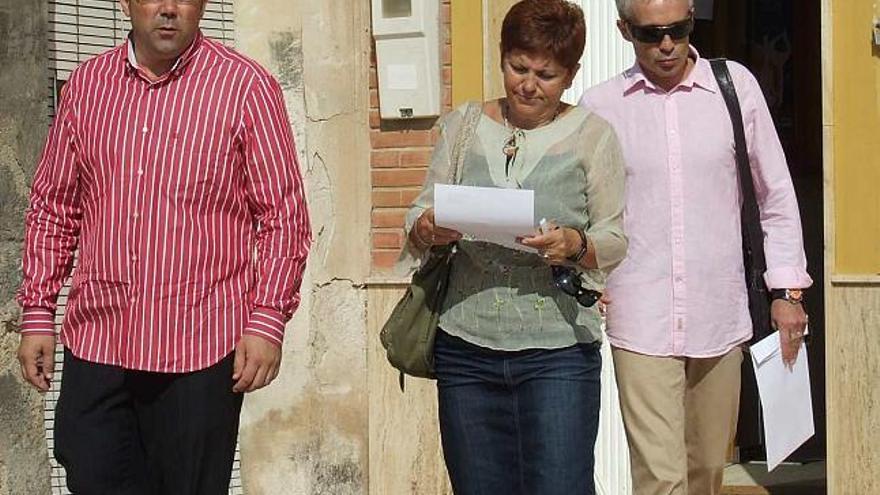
{"points": [[407, 57], [877, 31], [876, 23]]}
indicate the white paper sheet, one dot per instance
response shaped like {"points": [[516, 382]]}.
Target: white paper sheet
{"points": [[785, 399], [486, 213]]}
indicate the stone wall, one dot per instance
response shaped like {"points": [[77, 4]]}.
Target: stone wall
{"points": [[308, 432], [24, 465]]}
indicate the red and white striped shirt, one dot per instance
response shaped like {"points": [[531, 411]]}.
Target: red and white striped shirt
{"points": [[184, 199]]}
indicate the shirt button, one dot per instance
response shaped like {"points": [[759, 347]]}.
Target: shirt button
{"points": [[140, 171], [135, 215], [134, 258], [145, 130]]}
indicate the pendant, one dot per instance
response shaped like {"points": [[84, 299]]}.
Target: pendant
{"points": [[510, 147]]}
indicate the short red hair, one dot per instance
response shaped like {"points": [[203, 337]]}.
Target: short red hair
{"points": [[553, 27]]}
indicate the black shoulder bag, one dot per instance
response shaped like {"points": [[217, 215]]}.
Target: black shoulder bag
{"points": [[750, 219]]}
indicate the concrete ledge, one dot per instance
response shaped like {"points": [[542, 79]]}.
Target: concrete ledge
{"points": [[387, 281], [844, 279], [787, 479]]}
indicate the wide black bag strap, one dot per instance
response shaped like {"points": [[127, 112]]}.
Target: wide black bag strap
{"points": [[753, 235]]}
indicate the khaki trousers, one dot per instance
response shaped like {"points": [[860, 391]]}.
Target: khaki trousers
{"points": [[680, 416]]}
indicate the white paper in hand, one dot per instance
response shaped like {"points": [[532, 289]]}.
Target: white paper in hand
{"points": [[785, 399], [486, 213]]}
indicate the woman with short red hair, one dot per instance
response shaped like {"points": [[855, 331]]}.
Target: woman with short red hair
{"points": [[517, 352]]}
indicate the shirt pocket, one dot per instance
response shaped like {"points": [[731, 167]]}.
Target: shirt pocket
{"points": [[200, 178]]}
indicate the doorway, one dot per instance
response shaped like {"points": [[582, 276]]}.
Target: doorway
{"points": [[780, 42]]}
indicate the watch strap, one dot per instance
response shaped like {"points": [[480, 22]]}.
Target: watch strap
{"points": [[794, 296], [577, 257]]}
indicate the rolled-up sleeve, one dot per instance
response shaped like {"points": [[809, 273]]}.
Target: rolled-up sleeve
{"points": [[605, 194], [780, 218]]}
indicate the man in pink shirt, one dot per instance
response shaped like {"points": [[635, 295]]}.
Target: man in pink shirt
{"points": [[678, 306]]}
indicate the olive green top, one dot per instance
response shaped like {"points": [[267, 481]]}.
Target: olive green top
{"points": [[504, 299]]}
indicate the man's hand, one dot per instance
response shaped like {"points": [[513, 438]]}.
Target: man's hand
{"points": [[36, 354], [604, 301], [791, 321], [257, 362]]}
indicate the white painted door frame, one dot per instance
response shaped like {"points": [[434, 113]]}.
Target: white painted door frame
{"points": [[606, 55]]}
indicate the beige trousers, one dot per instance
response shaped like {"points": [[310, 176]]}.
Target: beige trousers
{"points": [[680, 416]]}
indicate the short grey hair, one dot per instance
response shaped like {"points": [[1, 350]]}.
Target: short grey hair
{"points": [[624, 7]]}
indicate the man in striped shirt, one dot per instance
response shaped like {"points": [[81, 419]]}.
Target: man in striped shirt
{"points": [[171, 169]]}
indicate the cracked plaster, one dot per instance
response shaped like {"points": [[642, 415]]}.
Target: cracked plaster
{"points": [[307, 433]]}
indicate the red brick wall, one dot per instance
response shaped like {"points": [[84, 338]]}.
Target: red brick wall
{"points": [[401, 151]]}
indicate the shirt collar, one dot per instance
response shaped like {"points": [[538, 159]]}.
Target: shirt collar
{"points": [[182, 61], [701, 76]]}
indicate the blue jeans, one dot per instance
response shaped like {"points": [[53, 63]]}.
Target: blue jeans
{"points": [[518, 423]]}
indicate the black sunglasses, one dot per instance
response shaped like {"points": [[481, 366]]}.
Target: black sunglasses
{"points": [[568, 281], [655, 34]]}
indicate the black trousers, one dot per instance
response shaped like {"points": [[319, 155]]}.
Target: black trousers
{"points": [[124, 432]]}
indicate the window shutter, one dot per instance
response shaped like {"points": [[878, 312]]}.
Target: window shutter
{"points": [[607, 53], [81, 29]]}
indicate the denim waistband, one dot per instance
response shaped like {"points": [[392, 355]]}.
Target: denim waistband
{"points": [[460, 343]]}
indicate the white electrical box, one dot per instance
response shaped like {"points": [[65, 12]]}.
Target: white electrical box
{"points": [[407, 57]]}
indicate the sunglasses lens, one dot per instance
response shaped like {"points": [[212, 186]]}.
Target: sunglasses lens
{"points": [[563, 279], [655, 34], [588, 298], [680, 30], [647, 34], [567, 280]]}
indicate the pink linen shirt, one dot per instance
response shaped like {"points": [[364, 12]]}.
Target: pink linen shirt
{"points": [[680, 291]]}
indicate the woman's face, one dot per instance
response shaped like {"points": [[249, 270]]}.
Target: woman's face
{"points": [[534, 83]]}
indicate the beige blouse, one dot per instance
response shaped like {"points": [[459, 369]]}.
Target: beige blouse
{"points": [[504, 299]]}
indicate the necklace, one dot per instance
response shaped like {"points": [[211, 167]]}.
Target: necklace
{"points": [[511, 144]]}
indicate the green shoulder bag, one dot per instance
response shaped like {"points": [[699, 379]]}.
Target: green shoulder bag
{"points": [[408, 334]]}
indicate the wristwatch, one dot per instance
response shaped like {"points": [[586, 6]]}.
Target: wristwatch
{"points": [[794, 296]]}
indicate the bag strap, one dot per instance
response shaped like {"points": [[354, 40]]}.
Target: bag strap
{"points": [[463, 140], [750, 219], [460, 148]]}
